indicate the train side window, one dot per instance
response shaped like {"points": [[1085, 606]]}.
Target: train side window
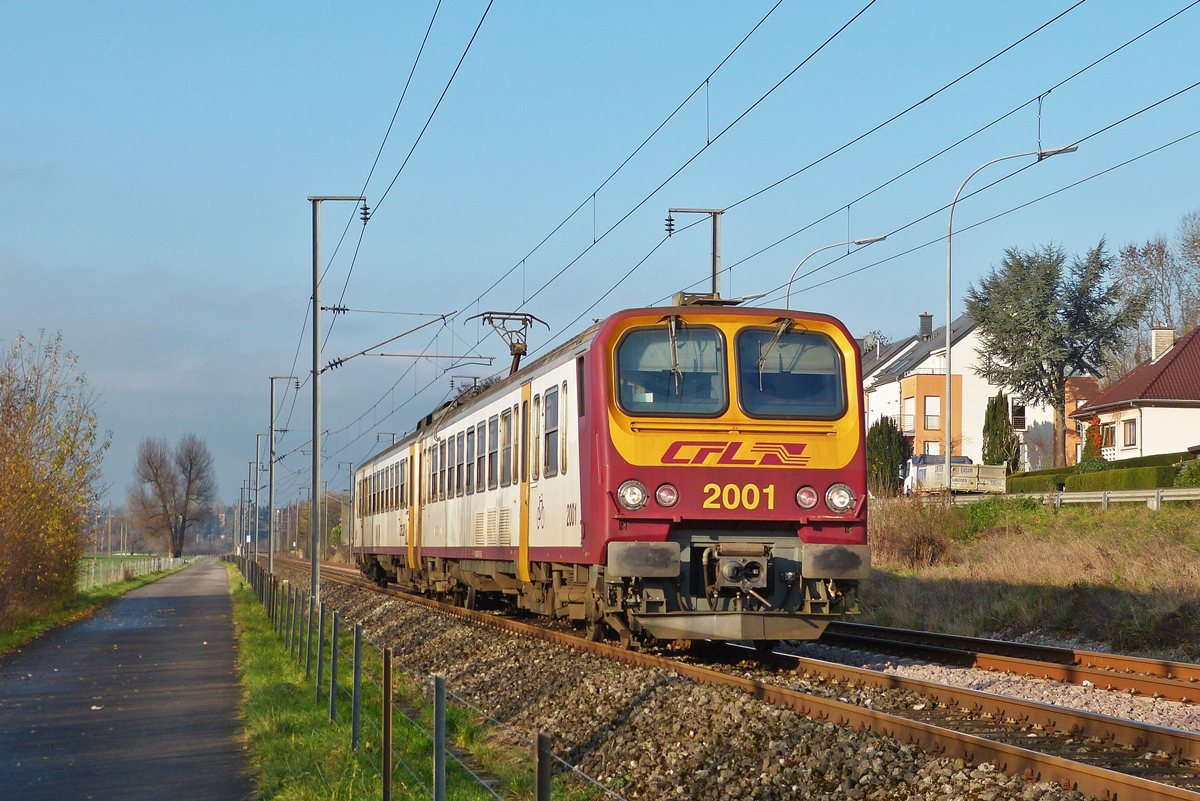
{"points": [[505, 448], [433, 473], [480, 456], [444, 467], [403, 483], [493, 451], [395, 486], [550, 459], [516, 441], [524, 446], [579, 384], [566, 419], [458, 466], [470, 461], [391, 487], [535, 463]]}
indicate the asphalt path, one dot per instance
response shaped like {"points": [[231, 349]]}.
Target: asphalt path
{"points": [[139, 701]]}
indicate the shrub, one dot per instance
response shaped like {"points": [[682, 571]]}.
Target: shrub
{"points": [[1129, 478], [50, 454], [1041, 482], [1092, 464], [910, 533], [1190, 475]]}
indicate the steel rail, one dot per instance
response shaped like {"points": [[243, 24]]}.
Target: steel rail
{"points": [[936, 740], [1176, 681]]}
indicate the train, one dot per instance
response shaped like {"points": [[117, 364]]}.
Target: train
{"points": [[690, 472]]}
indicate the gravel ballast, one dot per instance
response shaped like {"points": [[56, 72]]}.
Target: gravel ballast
{"points": [[651, 734]]}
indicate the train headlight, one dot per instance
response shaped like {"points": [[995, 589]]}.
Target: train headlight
{"points": [[806, 497], [666, 495], [839, 498], [632, 495]]}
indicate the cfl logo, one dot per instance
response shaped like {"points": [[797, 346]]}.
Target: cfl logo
{"points": [[735, 454]]}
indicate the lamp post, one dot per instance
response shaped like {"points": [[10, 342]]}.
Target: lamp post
{"points": [[868, 241], [948, 412], [271, 479], [314, 521]]}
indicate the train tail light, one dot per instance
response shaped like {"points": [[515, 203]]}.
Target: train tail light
{"points": [[806, 497], [632, 495], [666, 495]]}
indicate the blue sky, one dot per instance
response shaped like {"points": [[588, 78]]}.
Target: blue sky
{"points": [[155, 161]]}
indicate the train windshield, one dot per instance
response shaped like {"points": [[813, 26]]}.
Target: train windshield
{"points": [[671, 369], [784, 372]]}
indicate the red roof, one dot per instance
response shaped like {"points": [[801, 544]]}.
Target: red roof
{"points": [[1174, 377]]}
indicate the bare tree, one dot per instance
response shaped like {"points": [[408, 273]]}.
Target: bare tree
{"points": [[172, 490]]}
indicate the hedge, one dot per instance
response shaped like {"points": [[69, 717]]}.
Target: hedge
{"points": [[1158, 460], [1045, 471], [1129, 478], [1043, 482]]}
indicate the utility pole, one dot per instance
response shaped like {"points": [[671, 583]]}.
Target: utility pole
{"points": [[257, 484], [110, 528], [314, 514], [716, 241], [249, 484], [271, 544]]}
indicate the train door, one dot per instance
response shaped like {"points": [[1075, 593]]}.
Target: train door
{"points": [[523, 551], [415, 477]]}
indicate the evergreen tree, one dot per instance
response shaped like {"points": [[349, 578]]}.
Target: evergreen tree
{"points": [[1041, 321], [1000, 444], [887, 451]]}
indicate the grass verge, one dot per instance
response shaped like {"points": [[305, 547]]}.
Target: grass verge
{"points": [[1127, 577], [84, 604], [298, 753]]}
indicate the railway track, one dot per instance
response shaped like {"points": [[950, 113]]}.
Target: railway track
{"points": [[1177, 681], [1105, 757]]}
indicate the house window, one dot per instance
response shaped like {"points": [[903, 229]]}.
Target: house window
{"points": [[933, 447], [1130, 433], [1108, 435], [1079, 423], [907, 423], [1018, 416], [470, 460], [933, 409]]}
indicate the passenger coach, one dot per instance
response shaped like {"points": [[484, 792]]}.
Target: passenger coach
{"points": [[693, 472]]}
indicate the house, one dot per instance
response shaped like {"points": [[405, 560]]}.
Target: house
{"points": [[1156, 407], [906, 380]]}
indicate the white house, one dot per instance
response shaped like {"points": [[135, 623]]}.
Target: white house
{"points": [[1156, 407], [906, 381]]}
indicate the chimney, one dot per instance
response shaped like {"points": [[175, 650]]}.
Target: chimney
{"points": [[1161, 338], [926, 331]]}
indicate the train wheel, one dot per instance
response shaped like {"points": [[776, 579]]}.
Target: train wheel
{"points": [[470, 601], [595, 630], [765, 647]]}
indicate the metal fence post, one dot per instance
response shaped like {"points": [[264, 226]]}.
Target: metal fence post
{"points": [[320, 650], [308, 646], [356, 693], [333, 662], [545, 762], [291, 611], [439, 737], [387, 724]]}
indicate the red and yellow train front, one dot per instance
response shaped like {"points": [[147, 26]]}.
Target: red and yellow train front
{"points": [[730, 472]]}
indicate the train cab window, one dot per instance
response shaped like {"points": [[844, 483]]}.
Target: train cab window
{"points": [[480, 455], [470, 462], [790, 373], [534, 439], [671, 370], [566, 418], [505, 448], [459, 450], [550, 463], [579, 384], [493, 452]]}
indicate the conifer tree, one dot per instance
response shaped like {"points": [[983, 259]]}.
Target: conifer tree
{"points": [[887, 451], [1000, 444]]}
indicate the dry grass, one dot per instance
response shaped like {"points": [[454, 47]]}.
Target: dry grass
{"points": [[1127, 577]]}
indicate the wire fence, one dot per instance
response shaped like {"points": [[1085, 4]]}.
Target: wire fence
{"points": [[99, 571], [351, 674]]}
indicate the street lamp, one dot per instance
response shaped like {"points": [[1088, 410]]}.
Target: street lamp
{"points": [[948, 413], [868, 241]]}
